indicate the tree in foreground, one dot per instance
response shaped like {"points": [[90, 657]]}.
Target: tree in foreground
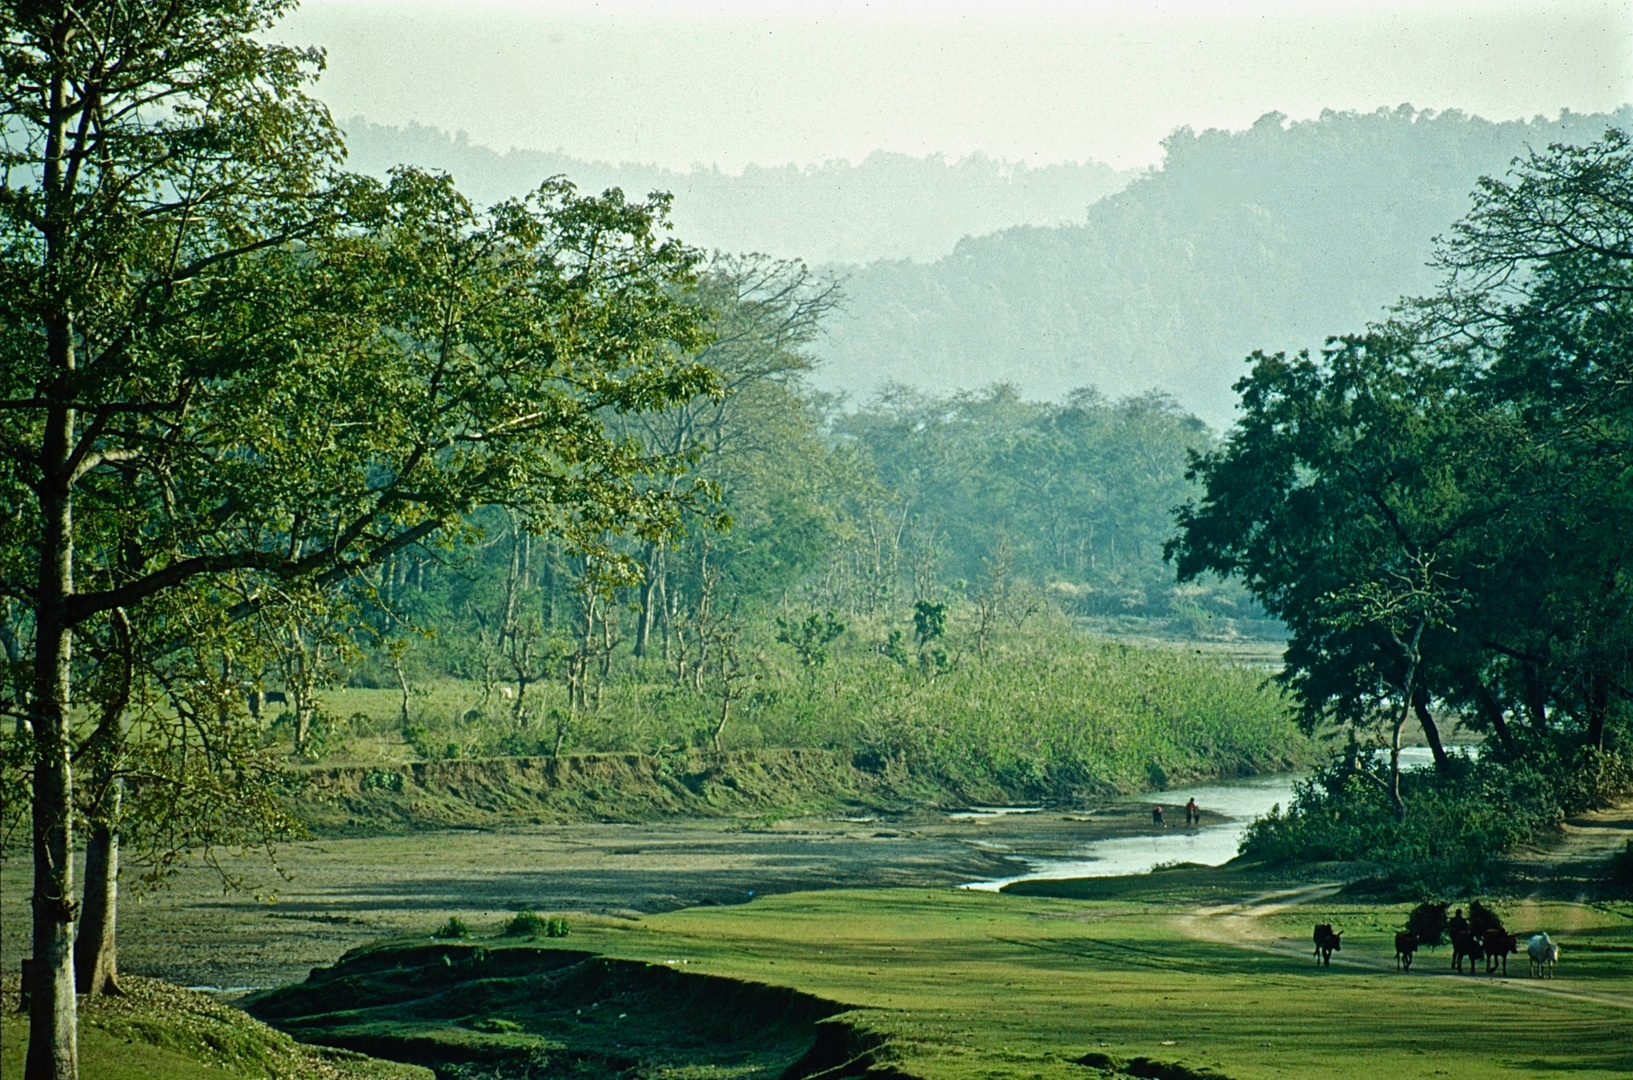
{"points": [[1441, 510], [233, 372]]}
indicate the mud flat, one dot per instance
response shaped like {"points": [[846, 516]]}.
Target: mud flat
{"points": [[342, 892]]}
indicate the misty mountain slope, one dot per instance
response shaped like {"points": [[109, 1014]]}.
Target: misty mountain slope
{"points": [[1274, 237], [888, 207]]}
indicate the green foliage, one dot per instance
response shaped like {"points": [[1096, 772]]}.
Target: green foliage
{"points": [[1620, 870], [1482, 919], [811, 636], [1285, 233], [526, 922], [1439, 510], [1427, 923], [1048, 711], [454, 928], [929, 621], [1457, 821]]}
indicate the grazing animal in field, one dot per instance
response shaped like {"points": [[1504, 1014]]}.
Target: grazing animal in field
{"points": [[1406, 944], [1498, 944], [1327, 943], [1464, 943], [1544, 954]]}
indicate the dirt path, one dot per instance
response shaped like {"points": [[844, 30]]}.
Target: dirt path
{"points": [[1565, 863], [1242, 925]]}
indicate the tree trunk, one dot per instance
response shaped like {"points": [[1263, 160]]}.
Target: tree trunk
{"points": [[1598, 708], [1492, 710], [96, 954], [1420, 705], [402, 685], [725, 712], [1536, 703], [53, 1049], [649, 592]]}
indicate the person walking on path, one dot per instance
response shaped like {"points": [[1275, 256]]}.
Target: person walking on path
{"points": [[1193, 812]]}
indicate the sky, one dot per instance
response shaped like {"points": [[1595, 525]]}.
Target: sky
{"points": [[721, 84]]}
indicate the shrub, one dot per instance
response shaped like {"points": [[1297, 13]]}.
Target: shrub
{"points": [[527, 923], [1427, 923], [1455, 820], [454, 928], [1621, 867], [555, 926], [1483, 920]]}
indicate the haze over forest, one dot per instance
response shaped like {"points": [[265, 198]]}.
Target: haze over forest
{"points": [[959, 274]]}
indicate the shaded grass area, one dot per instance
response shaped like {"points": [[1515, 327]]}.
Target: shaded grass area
{"points": [[157, 1031], [954, 984]]}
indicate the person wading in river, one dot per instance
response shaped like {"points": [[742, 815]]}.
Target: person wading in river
{"points": [[1156, 815], [1193, 812]]}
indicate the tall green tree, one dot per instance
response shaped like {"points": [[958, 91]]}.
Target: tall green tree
{"points": [[1442, 509], [225, 364]]}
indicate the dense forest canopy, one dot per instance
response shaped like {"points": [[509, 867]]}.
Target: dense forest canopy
{"points": [[1273, 237], [1441, 509]]}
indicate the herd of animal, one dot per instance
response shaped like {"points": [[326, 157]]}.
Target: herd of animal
{"points": [[1480, 937]]}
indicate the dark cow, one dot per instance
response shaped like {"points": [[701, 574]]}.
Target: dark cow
{"points": [[1498, 944], [1406, 943], [1464, 943], [1326, 943]]}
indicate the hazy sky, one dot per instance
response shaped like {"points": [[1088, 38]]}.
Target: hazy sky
{"points": [[728, 84]]}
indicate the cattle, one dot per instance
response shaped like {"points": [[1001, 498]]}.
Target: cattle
{"points": [[1406, 943], [1326, 943], [1498, 944], [1544, 954], [259, 700], [1464, 943]]}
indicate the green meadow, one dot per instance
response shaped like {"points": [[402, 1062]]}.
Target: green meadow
{"points": [[1164, 976]]}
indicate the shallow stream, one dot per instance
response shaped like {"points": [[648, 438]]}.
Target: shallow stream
{"points": [[1232, 805]]}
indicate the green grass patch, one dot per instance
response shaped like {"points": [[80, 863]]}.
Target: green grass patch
{"points": [[949, 985]]}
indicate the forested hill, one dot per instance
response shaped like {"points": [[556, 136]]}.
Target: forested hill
{"points": [[1273, 237], [891, 206]]}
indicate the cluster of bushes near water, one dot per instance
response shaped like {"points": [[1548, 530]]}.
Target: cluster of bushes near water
{"points": [[1456, 823]]}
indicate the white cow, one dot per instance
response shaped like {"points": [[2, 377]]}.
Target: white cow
{"points": [[1544, 954]]}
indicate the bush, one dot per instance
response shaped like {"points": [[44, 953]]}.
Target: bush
{"points": [[555, 926], [527, 923], [1456, 821], [1427, 923], [1621, 867], [454, 928]]}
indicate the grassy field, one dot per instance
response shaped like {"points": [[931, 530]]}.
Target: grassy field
{"points": [[1178, 974]]}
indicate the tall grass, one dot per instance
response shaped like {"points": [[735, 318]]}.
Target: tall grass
{"points": [[1041, 710]]}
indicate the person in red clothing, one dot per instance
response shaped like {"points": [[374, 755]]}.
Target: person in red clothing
{"points": [[1156, 814], [1193, 812]]}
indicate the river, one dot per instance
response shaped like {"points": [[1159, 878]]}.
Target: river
{"points": [[1235, 802]]}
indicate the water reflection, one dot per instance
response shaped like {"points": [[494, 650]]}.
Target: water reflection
{"points": [[1238, 802]]}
